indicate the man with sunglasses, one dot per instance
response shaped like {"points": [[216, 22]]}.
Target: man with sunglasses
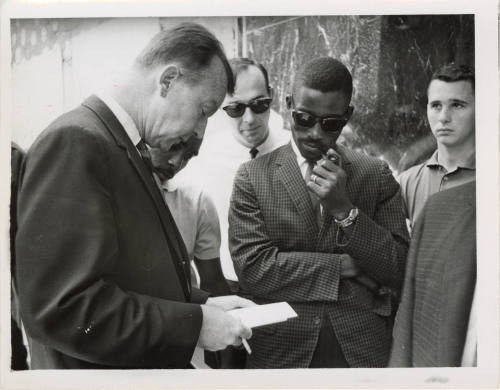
{"points": [[321, 227]]}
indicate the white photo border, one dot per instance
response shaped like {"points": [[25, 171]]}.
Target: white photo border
{"points": [[487, 162]]}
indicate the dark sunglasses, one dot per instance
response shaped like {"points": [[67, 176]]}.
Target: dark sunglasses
{"points": [[329, 124], [258, 106]]}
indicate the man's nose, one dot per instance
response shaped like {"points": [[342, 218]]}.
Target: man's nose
{"points": [[248, 115], [316, 132], [176, 161], [444, 115]]}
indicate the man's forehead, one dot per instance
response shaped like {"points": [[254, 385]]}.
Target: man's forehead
{"points": [[249, 81], [458, 90]]}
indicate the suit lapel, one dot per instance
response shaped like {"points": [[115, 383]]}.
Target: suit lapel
{"points": [[289, 174], [176, 244]]}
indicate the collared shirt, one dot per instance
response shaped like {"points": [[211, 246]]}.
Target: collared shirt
{"points": [[303, 163], [196, 217], [123, 117], [216, 165], [421, 181]]}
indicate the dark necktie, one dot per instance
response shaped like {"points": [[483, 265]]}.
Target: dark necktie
{"points": [[146, 156], [253, 152], [314, 199]]}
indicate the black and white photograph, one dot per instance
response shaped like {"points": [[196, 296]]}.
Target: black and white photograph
{"points": [[261, 195]]}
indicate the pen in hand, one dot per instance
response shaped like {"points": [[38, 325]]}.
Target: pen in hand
{"points": [[247, 347]]}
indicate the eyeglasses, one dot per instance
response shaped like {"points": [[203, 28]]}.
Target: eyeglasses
{"points": [[258, 106], [330, 124]]}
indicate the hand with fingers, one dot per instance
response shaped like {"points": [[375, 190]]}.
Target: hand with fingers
{"points": [[219, 329], [328, 182]]}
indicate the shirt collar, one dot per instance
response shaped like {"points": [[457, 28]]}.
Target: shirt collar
{"points": [[300, 159], [170, 185], [123, 117], [263, 148], [468, 164]]}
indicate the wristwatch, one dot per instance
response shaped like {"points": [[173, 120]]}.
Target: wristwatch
{"points": [[349, 220]]}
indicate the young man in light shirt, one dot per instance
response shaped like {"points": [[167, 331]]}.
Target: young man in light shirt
{"points": [[451, 116], [195, 216]]}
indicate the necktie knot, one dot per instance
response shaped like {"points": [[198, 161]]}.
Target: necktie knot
{"points": [[253, 152], [146, 156]]}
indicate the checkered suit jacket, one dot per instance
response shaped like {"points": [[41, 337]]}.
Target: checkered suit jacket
{"points": [[281, 254]]}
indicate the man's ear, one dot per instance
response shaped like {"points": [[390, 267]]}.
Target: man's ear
{"points": [[288, 100], [168, 75]]}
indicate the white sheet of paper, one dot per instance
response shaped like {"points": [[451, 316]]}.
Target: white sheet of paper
{"points": [[264, 314], [198, 359]]}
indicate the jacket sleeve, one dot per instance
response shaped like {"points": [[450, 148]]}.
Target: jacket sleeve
{"points": [[67, 246], [265, 270], [379, 243]]}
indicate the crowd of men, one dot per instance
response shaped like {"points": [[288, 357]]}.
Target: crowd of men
{"points": [[120, 261]]}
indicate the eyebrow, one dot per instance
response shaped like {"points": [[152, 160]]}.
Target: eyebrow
{"points": [[241, 101], [451, 100], [322, 116]]}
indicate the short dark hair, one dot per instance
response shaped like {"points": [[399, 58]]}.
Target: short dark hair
{"points": [[239, 64], [189, 43], [452, 72], [325, 74]]}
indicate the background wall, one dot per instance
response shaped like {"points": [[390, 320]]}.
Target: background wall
{"points": [[58, 62], [391, 59]]}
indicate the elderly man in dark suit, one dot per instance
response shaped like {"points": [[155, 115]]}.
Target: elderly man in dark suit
{"points": [[102, 270], [433, 325], [311, 223]]}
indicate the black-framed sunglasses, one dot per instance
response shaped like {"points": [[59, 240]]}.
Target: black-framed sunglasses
{"points": [[329, 124], [258, 106]]}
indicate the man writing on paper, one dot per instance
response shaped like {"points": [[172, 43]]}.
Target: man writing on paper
{"points": [[307, 230], [101, 269]]}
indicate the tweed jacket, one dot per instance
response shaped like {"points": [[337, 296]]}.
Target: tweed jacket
{"points": [[281, 254], [431, 324], [99, 265]]}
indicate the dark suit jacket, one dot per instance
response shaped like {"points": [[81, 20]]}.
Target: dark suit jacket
{"points": [[19, 353], [280, 254], [99, 259], [433, 317]]}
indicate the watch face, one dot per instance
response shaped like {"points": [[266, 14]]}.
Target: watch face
{"points": [[349, 220]]}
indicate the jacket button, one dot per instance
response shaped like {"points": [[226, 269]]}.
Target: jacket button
{"points": [[317, 321]]}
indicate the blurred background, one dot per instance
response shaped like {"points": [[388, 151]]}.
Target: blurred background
{"points": [[56, 63]]}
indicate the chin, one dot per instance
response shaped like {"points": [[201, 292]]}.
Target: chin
{"points": [[310, 156]]}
